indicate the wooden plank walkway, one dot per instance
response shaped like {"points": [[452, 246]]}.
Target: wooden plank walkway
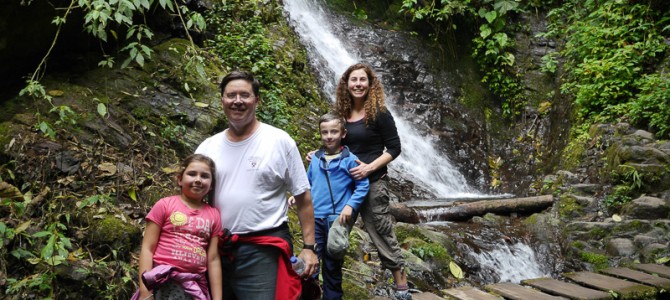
{"points": [[517, 292], [638, 276], [566, 289], [659, 270], [623, 288], [469, 293], [643, 281]]}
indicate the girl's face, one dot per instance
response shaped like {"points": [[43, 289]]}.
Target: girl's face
{"points": [[196, 181], [358, 84]]}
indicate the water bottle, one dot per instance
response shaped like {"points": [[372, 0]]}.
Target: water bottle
{"points": [[298, 264]]}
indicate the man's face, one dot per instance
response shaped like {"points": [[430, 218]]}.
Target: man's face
{"points": [[332, 135], [239, 102]]}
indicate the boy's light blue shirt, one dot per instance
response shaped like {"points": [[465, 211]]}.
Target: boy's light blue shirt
{"points": [[346, 190]]}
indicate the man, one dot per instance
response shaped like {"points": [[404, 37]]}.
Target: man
{"points": [[256, 165]]}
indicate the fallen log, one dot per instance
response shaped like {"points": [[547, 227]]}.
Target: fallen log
{"points": [[460, 211]]}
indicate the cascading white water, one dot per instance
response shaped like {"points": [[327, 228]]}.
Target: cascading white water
{"points": [[326, 50], [512, 263], [420, 159]]}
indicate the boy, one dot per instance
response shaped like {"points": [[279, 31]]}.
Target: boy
{"points": [[336, 196]]}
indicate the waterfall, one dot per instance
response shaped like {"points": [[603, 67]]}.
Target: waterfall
{"points": [[424, 165], [512, 263]]}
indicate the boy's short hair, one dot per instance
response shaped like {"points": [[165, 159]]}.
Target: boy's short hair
{"points": [[330, 116]]}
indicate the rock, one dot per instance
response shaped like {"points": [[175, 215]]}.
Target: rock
{"points": [[585, 226], [648, 208], [620, 247], [114, 233], [642, 240], [568, 177], [581, 200], [643, 134], [584, 188], [653, 251]]}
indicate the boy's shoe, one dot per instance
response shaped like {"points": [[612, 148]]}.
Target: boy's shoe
{"points": [[402, 295]]}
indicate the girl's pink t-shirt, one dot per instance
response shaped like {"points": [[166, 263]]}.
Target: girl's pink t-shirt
{"points": [[185, 234]]}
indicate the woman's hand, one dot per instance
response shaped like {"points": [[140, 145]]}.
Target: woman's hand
{"points": [[361, 171]]}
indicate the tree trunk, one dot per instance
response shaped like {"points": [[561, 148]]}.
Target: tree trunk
{"points": [[460, 211], [467, 210]]}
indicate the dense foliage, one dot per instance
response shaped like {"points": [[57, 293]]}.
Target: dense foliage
{"points": [[243, 38], [614, 52], [75, 235]]}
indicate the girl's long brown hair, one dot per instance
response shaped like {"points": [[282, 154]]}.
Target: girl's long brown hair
{"points": [[374, 101]]}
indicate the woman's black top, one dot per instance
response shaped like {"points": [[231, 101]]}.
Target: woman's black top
{"points": [[368, 143]]}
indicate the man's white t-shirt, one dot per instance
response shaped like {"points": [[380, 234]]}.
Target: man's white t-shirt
{"points": [[253, 177]]}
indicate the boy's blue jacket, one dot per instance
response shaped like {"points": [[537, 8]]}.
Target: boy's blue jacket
{"points": [[346, 190]]}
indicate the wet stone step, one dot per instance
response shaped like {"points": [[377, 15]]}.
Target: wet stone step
{"points": [[566, 289], [659, 270], [624, 289], [469, 293], [638, 276], [516, 292]]}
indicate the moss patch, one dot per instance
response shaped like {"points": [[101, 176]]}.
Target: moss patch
{"points": [[569, 207], [111, 232], [599, 261]]}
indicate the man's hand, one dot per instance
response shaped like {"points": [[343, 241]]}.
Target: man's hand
{"points": [[308, 158], [311, 262]]}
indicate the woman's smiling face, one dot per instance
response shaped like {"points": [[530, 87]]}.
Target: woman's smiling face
{"points": [[358, 84]]}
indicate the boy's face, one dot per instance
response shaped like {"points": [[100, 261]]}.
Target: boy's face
{"points": [[332, 134]]}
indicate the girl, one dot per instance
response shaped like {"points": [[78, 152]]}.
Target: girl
{"points": [[179, 249]]}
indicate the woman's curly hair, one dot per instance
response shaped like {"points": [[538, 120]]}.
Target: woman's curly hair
{"points": [[375, 97]]}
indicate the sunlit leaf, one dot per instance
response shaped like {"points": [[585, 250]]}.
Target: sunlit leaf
{"points": [[455, 270], [484, 31], [41, 234], [107, 169], [490, 16], [169, 170], [55, 93], [22, 227], [503, 6], [132, 193], [102, 109], [663, 260]]}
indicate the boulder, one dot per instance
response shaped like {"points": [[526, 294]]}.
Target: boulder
{"points": [[647, 208], [620, 247]]}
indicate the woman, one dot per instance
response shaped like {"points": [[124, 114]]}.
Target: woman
{"points": [[373, 137]]}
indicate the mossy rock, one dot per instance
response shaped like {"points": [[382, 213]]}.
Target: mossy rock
{"points": [[112, 233], [568, 207], [356, 275], [631, 227]]}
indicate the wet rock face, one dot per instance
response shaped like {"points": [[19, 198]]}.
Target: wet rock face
{"points": [[440, 93], [422, 91]]}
